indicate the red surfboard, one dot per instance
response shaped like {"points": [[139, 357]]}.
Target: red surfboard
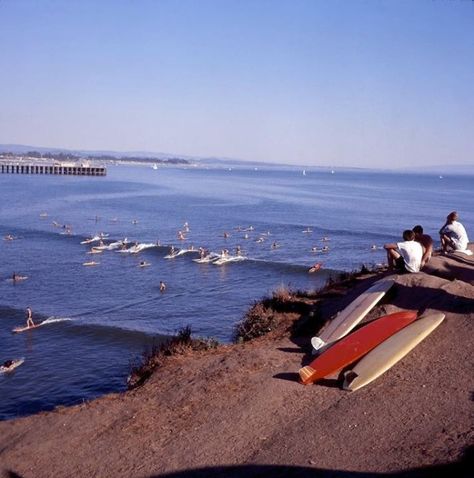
{"points": [[356, 345]]}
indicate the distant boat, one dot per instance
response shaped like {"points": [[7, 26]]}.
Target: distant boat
{"points": [[304, 172], [332, 171], [155, 166], [441, 177]]}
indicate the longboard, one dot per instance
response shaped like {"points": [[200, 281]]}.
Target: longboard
{"points": [[356, 345], [13, 366], [348, 318], [389, 352], [49, 320], [22, 329]]}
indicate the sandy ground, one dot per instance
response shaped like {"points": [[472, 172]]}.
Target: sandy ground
{"points": [[240, 411]]}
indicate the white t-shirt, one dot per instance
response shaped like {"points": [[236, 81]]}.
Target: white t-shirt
{"points": [[456, 232], [412, 252]]}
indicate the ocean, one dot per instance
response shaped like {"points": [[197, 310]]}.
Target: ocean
{"points": [[102, 318]]}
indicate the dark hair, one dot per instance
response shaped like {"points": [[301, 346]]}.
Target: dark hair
{"points": [[452, 216], [408, 235], [418, 229]]}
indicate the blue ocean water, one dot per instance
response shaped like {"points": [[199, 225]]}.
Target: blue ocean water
{"points": [[115, 309]]}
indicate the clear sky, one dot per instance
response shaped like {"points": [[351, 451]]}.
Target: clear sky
{"points": [[338, 83]]}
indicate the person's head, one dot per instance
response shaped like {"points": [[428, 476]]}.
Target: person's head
{"points": [[418, 230], [453, 216], [408, 235]]}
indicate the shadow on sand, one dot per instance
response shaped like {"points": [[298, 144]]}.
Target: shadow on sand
{"points": [[461, 469]]}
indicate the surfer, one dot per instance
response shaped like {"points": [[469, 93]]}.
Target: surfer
{"points": [[238, 251], [405, 256], [453, 235], [162, 286], [181, 236], [7, 364], [426, 242], [29, 318], [226, 235]]}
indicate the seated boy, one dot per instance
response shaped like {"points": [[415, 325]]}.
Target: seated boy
{"points": [[405, 256], [453, 236]]}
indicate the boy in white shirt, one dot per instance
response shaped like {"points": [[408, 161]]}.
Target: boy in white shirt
{"points": [[405, 256], [453, 235]]}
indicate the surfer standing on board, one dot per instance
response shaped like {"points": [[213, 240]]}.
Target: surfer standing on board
{"points": [[29, 318], [405, 256]]}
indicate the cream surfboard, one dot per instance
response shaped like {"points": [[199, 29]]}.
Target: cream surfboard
{"points": [[389, 352], [348, 318]]}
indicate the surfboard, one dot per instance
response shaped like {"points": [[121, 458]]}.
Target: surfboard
{"points": [[356, 345], [49, 320], [91, 263], [13, 366], [348, 318], [389, 352]]}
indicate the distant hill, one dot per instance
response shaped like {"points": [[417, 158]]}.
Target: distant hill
{"points": [[443, 169], [63, 154]]}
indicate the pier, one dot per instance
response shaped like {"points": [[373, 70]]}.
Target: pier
{"points": [[66, 169]]}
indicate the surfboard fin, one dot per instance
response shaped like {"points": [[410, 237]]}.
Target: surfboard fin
{"points": [[317, 344], [349, 377]]}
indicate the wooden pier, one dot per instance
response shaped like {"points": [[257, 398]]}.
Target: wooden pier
{"points": [[66, 169]]}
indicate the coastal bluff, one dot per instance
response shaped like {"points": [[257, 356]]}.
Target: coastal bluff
{"points": [[238, 410]]}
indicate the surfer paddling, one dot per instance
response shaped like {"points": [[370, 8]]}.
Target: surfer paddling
{"points": [[29, 318]]}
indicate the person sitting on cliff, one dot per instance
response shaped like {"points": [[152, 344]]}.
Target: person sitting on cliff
{"points": [[405, 256], [426, 242], [453, 235]]}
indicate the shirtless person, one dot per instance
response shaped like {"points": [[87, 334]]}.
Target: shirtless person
{"points": [[405, 256], [426, 242], [29, 318], [453, 236]]}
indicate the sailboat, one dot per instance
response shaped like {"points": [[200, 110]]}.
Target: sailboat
{"points": [[304, 172]]}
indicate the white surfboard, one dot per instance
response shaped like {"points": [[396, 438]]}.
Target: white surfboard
{"points": [[50, 320], [389, 352], [348, 318]]}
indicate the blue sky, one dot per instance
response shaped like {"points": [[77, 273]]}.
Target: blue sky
{"points": [[338, 83]]}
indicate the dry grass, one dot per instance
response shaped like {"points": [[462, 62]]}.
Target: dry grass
{"points": [[153, 358]]}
